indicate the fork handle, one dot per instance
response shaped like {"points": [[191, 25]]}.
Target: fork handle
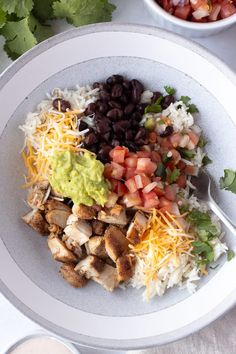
{"points": [[222, 216]]}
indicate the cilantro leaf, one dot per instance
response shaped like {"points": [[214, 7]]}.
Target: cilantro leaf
{"points": [[206, 160], [228, 181], [203, 249], [2, 18], [230, 255], [83, 12], [41, 32], [20, 8], [161, 171], [170, 90], [185, 99], [202, 142], [153, 108], [187, 154], [192, 108], [19, 37], [174, 175], [42, 9], [203, 224]]}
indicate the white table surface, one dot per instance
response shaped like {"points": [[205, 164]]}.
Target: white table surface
{"points": [[219, 337]]}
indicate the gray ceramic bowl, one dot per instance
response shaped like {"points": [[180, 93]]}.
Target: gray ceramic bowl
{"points": [[29, 276]]}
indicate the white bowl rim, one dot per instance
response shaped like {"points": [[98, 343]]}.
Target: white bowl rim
{"points": [[86, 341], [154, 6]]}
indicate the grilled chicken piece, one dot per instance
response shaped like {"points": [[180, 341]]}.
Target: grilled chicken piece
{"points": [[38, 195], [124, 266], [53, 204], [84, 212], [107, 278], [55, 229], [116, 215], [98, 227], [79, 231], [59, 251], [96, 246], [58, 217], [91, 266], [116, 243], [71, 276], [136, 228], [72, 245], [36, 220]]}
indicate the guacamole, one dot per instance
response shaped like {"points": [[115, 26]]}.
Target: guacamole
{"points": [[79, 177]]}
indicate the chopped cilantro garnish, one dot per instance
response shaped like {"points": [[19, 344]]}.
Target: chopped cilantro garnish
{"points": [[153, 108], [187, 154], [192, 108], [230, 255], [202, 222], [20, 8], [170, 90], [204, 250], [183, 208], [228, 181], [174, 175], [165, 158], [206, 160], [2, 18], [161, 171], [185, 99], [202, 142]]}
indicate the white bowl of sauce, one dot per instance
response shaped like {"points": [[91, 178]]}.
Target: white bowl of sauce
{"points": [[39, 343]]}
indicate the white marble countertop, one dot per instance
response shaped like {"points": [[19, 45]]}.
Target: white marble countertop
{"points": [[218, 338]]}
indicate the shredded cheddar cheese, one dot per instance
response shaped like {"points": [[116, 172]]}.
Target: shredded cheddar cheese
{"points": [[54, 131], [163, 240]]}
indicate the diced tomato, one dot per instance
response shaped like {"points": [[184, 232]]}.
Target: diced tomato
{"points": [[132, 199], [167, 205], [130, 172], [215, 12], [227, 10], [193, 137], [195, 4], [159, 191], [166, 5], [184, 140], [121, 189], [170, 165], [155, 156], [145, 165], [131, 161], [183, 12], [151, 200], [191, 170], [118, 151], [149, 187], [176, 157], [181, 165], [131, 185], [118, 156], [175, 139], [170, 192], [156, 179], [143, 154], [165, 144], [181, 181], [138, 181], [114, 184], [117, 170], [152, 137]]}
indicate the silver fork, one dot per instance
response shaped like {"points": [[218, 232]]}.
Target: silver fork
{"points": [[203, 186]]}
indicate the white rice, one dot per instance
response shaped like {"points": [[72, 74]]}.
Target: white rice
{"points": [[180, 117]]}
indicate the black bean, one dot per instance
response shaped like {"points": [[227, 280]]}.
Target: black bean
{"points": [[137, 116], [90, 109], [129, 135], [104, 95], [134, 123], [104, 87], [140, 142], [96, 85], [167, 101], [132, 146], [104, 152], [102, 127], [115, 79], [63, 106], [137, 90], [82, 125], [168, 131], [107, 136], [102, 107], [117, 91], [129, 108], [115, 114], [124, 99], [98, 116], [114, 104], [141, 107], [155, 96], [127, 85], [94, 148], [115, 142], [90, 139], [121, 126], [141, 134]]}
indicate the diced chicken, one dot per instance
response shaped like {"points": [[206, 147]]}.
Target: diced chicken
{"points": [[71, 276], [116, 243], [98, 227], [38, 195], [58, 217], [124, 266], [72, 245], [55, 229], [36, 220], [136, 228], [96, 246], [107, 278], [80, 231], [116, 215], [53, 204], [91, 266], [112, 199], [71, 219], [59, 251], [84, 212]]}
